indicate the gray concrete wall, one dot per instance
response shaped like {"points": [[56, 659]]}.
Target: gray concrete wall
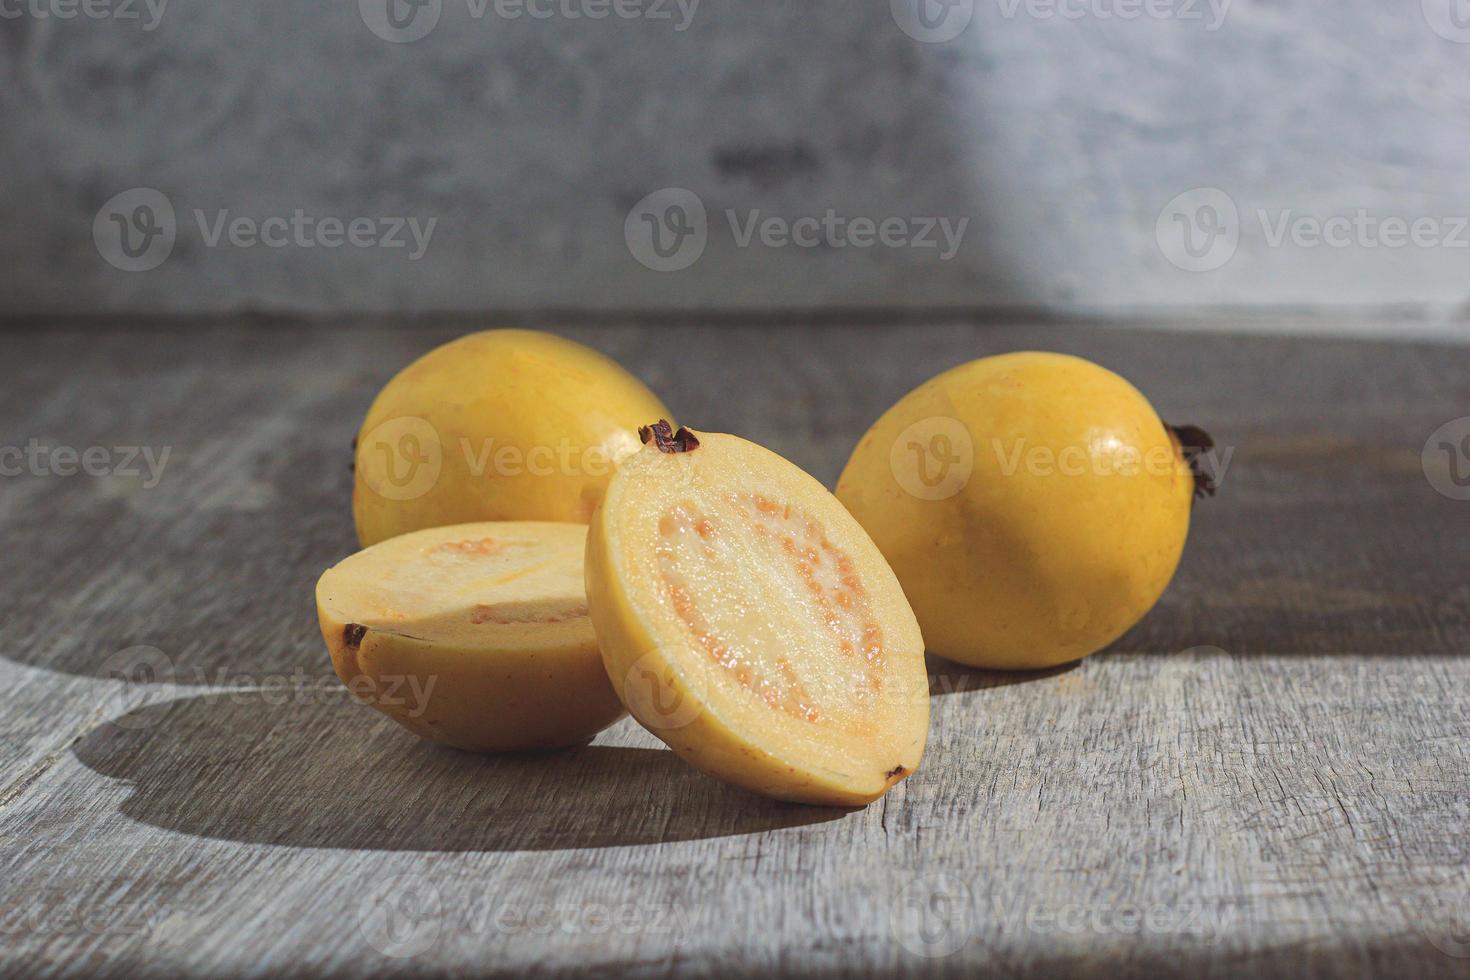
{"points": [[1055, 137]]}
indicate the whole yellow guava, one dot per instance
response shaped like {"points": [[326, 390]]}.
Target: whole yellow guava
{"points": [[502, 425], [1033, 506]]}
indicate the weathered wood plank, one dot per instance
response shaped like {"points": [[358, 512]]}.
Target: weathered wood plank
{"points": [[1268, 774]]}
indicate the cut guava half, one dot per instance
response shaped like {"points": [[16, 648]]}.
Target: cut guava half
{"points": [[475, 635], [748, 621]]}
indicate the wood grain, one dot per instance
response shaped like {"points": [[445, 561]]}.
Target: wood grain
{"points": [[1269, 774]]}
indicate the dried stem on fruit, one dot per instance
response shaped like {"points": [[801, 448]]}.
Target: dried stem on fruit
{"points": [[663, 435], [1195, 443]]}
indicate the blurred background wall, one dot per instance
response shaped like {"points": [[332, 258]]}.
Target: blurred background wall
{"points": [[1075, 156]]}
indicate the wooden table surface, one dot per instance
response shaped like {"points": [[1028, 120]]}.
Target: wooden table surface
{"points": [[1270, 774]]}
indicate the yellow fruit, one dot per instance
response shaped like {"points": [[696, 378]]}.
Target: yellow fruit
{"points": [[1033, 505], [474, 635], [501, 425], [747, 620]]}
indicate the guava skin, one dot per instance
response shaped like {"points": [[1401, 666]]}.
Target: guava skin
{"points": [[501, 425], [1033, 506]]}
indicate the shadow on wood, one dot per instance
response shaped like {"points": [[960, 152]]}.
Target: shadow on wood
{"points": [[947, 677], [330, 773]]}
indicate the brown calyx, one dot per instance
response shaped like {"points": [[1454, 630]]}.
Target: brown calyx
{"points": [[1195, 443], [352, 635], [662, 435], [895, 771]]}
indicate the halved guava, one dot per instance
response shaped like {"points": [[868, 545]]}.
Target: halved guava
{"points": [[748, 621], [475, 635]]}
